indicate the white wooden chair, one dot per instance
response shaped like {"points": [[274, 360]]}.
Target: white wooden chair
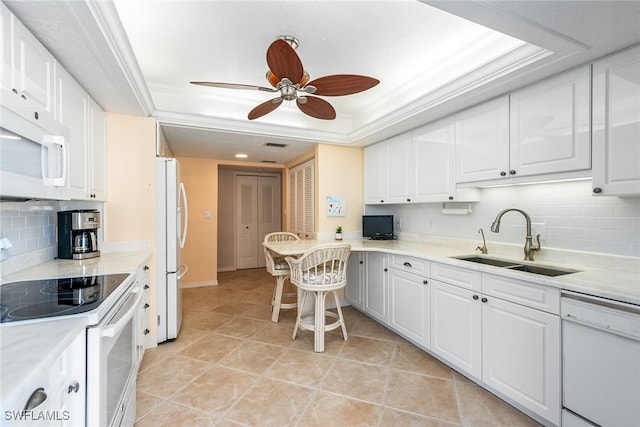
{"points": [[319, 271], [279, 268]]}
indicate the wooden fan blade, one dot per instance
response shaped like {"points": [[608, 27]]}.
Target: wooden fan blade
{"points": [[342, 84], [284, 62], [264, 108], [233, 86], [318, 108]]}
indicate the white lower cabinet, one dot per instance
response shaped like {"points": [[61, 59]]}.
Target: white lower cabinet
{"points": [[456, 331], [521, 355], [354, 291], [63, 388], [376, 292], [409, 298], [512, 348]]}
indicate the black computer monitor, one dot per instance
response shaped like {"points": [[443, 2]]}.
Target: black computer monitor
{"points": [[377, 227]]}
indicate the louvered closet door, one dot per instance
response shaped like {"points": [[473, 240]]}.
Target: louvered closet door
{"points": [[247, 222], [302, 217]]}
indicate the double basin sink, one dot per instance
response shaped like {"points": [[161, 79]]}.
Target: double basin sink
{"points": [[527, 268]]}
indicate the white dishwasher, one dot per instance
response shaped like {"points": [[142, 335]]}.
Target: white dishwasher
{"points": [[600, 361]]}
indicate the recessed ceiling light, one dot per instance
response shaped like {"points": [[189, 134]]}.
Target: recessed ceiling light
{"points": [[241, 156]]}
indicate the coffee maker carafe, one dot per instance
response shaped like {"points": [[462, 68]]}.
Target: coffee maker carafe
{"points": [[78, 234]]}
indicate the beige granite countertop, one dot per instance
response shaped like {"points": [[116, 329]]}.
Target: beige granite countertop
{"points": [[620, 281]]}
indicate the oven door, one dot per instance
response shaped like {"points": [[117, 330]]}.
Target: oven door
{"points": [[112, 361]]}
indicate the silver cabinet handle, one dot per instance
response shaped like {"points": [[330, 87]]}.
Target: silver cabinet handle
{"points": [[407, 264], [73, 388], [37, 397]]}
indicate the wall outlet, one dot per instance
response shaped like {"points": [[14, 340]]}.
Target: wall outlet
{"points": [[539, 228]]}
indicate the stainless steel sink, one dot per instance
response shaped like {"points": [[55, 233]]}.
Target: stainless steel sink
{"points": [[489, 261], [527, 268], [545, 271]]}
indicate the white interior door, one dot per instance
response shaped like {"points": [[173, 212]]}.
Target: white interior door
{"points": [[258, 212]]}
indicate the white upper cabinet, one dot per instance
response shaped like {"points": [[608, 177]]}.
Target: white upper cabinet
{"points": [[549, 125], [87, 138], [482, 142], [27, 65], [433, 156], [616, 124], [388, 170], [540, 130], [399, 169]]}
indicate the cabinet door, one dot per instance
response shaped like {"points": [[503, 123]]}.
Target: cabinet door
{"points": [[550, 129], [355, 277], [521, 355], [33, 67], [456, 327], [376, 296], [409, 301], [375, 174], [482, 142], [6, 73], [433, 161], [72, 112], [616, 124], [97, 136], [399, 169]]}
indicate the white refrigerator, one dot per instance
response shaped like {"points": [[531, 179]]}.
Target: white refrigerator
{"points": [[173, 218]]}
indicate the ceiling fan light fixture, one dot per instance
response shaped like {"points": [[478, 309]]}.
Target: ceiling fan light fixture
{"points": [[293, 42]]}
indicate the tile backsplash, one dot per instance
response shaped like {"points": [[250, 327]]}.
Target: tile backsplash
{"points": [[29, 226], [567, 213]]}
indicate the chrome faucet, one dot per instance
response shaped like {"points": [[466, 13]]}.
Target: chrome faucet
{"points": [[483, 249], [529, 249]]}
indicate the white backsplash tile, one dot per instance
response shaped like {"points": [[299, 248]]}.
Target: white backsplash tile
{"points": [[573, 217]]}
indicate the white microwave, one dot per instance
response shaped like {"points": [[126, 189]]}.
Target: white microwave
{"points": [[33, 153]]}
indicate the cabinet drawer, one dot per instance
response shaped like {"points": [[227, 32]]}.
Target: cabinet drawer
{"points": [[463, 277], [411, 264], [530, 294]]}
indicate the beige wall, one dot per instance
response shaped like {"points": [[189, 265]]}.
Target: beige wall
{"points": [[200, 253], [340, 173], [130, 209]]}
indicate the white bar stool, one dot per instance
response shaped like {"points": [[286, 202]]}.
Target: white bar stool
{"points": [[279, 268], [319, 271]]}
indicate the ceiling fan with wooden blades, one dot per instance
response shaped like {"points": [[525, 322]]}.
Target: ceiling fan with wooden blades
{"points": [[287, 76]]}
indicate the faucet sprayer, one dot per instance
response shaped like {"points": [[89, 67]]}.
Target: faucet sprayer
{"points": [[529, 249]]}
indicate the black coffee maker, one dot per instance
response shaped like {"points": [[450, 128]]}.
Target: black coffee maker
{"points": [[78, 234]]}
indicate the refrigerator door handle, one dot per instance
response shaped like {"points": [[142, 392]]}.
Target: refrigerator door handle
{"points": [[182, 271], [183, 234]]}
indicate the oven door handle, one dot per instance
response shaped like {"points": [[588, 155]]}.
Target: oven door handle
{"points": [[114, 329]]}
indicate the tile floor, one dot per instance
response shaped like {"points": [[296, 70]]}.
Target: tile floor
{"points": [[231, 366]]}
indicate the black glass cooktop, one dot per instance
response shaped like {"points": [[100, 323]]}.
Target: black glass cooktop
{"points": [[33, 299]]}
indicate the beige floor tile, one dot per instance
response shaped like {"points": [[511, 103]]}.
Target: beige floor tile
{"points": [[411, 358], [230, 361], [358, 380], [170, 374], [145, 403], [275, 333], [424, 395], [271, 403], [478, 407], [212, 347], [204, 320], [301, 367], [328, 409], [241, 327], [368, 350], [171, 414], [394, 418], [216, 390], [253, 357], [366, 327]]}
